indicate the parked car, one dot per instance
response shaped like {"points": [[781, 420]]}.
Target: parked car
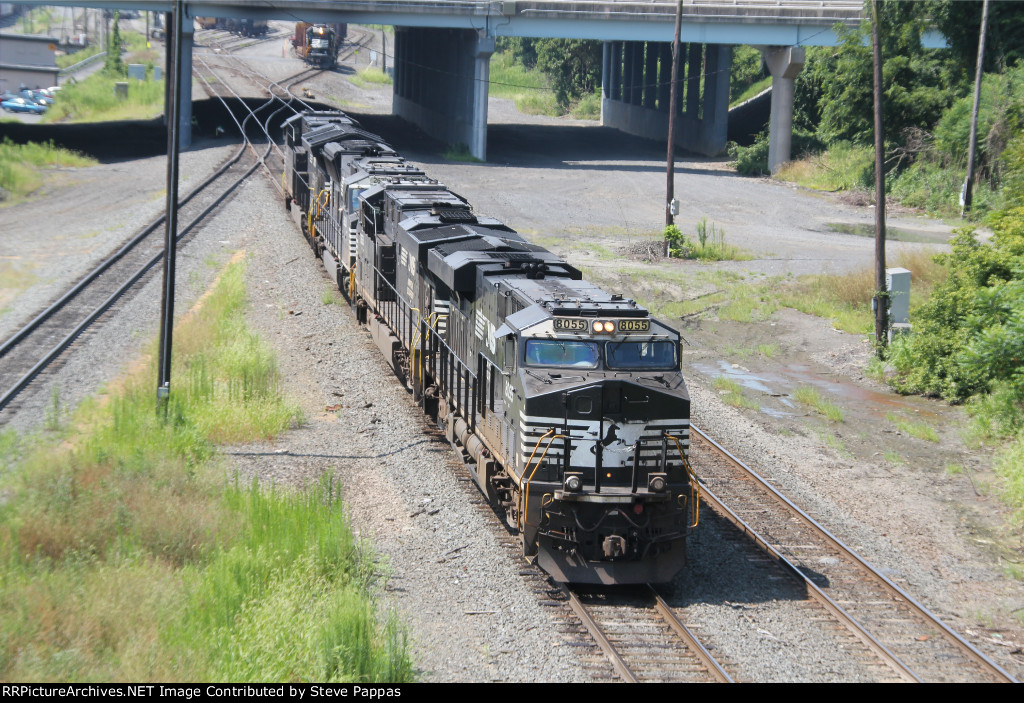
{"points": [[36, 97], [23, 105]]}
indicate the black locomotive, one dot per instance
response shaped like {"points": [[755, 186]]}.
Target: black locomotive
{"points": [[566, 402]]}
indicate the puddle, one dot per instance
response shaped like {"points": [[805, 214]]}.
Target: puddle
{"points": [[781, 384], [897, 234]]}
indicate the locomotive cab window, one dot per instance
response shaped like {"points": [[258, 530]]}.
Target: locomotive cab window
{"points": [[641, 355], [558, 352]]}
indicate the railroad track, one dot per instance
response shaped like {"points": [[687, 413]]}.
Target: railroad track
{"points": [[911, 640], [34, 349], [643, 637]]}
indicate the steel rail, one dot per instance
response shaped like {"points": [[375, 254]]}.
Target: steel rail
{"points": [[47, 313], [624, 672], [813, 589], [894, 590], [709, 662], [64, 343]]}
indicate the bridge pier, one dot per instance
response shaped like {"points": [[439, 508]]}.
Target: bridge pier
{"points": [[785, 64], [635, 92], [440, 83]]}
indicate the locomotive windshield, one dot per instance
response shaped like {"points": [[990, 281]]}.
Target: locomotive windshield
{"points": [[558, 352], [641, 355]]}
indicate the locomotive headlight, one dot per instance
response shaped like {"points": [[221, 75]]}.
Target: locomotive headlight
{"points": [[609, 327], [573, 483], [599, 327], [657, 483]]}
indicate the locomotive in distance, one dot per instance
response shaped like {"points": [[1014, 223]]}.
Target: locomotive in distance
{"points": [[567, 403]]}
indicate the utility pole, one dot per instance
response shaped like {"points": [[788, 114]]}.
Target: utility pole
{"points": [[673, 107], [163, 389], [880, 300], [966, 194]]}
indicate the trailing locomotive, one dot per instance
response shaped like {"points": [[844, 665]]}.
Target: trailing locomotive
{"points": [[318, 44], [566, 402]]}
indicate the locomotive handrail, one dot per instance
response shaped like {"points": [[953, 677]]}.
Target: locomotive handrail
{"points": [[550, 436], [311, 216], [694, 483]]}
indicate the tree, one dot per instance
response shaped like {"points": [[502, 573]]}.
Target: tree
{"points": [[960, 21], [574, 66], [918, 83], [113, 63]]}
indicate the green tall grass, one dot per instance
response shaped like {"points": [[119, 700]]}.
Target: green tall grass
{"points": [[530, 90], [845, 299], [93, 100], [370, 76], [21, 166], [125, 555]]}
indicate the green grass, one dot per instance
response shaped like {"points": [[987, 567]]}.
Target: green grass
{"points": [[833, 442], [21, 167], [127, 556], [370, 76], [914, 428], [93, 100], [332, 297], [706, 244], [768, 350], [845, 299], [843, 167], [893, 458], [459, 152], [809, 396], [1009, 466], [752, 90], [588, 107], [65, 60], [528, 89], [732, 393]]}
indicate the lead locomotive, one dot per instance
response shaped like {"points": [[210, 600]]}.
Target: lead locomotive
{"points": [[566, 402]]}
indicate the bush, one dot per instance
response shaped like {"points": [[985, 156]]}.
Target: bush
{"points": [[753, 160]]}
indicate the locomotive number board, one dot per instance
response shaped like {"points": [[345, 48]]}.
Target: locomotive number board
{"points": [[573, 324], [570, 324], [634, 325]]}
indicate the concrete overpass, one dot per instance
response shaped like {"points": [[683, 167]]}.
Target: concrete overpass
{"points": [[443, 47]]}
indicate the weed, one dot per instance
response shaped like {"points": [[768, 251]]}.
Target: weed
{"points": [[954, 469], [125, 556], [843, 167], [1009, 466], [834, 443], [530, 90], [331, 297], [21, 165], [914, 428], [93, 100], [893, 457], [809, 396], [459, 152], [732, 394], [768, 350], [370, 76], [53, 410]]}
